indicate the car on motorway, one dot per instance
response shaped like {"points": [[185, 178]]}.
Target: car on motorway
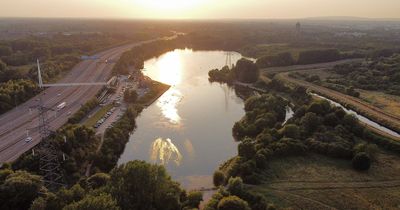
{"points": [[28, 139]]}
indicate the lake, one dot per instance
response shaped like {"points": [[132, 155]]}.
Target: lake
{"points": [[189, 128]]}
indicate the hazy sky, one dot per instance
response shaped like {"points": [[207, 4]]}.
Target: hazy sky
{"points": [[200, 8]]}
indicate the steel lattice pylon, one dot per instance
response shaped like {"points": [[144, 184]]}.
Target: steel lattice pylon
{"points": [[49, 165], [228, 61]]}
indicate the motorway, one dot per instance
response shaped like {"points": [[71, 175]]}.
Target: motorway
{"points": [[14, 125]]}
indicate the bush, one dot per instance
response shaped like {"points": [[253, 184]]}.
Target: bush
{"points": [[291, 131], [194, 198], [310, 122], [233, 203], [218, 178], [361, 161], [235, 186]]}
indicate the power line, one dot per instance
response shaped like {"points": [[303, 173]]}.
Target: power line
{"points": [[49, 164]]}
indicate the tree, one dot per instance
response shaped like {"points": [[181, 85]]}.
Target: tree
{"points": [[246, 149], [4, 173], [218, 178], [90, 202], [235, 186], [193, 199], [130, 96], [39, 204], [361, 161], [310, 121], [67, 196], [19, 190], [331, 120], [98, 180], [291, 131], [260, 159], [246, 71], [233, 203], [139, 185], [319, 107]]}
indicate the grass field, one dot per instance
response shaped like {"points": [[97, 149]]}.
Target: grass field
{"points": [[319, 182], [98, 115], [389, 103]]}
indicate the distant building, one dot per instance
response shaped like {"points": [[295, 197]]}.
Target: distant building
{"points": [[298, 30]]}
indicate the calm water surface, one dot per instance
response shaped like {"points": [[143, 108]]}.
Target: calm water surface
{"points": [[189, 128]]}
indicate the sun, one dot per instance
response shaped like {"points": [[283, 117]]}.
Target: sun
{"points": [[169, 5]]}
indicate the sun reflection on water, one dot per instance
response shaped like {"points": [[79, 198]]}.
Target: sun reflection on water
{"points": [[170, 69], [168, 103], [164, 151]]}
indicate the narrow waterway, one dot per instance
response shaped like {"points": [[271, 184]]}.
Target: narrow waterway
{"points": [[361, 117], [189, 128]]}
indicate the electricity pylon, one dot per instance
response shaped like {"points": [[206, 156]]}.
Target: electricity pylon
{"points": [[228, 61], [49, 164]]}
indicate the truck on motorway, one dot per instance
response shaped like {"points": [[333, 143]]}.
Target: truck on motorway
{"points": [[61, 106]]}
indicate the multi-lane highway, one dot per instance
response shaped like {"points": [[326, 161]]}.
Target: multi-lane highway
{"points": [[15, 123]]}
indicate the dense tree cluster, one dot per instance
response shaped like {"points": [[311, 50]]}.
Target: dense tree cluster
{"points": [[58, 54], [15, 92], [244, 71], [135, 185], [305, 57], [115, 139], [78, 143], [318, 56], [281, 59], [223, 75], [316, 127], [378, 74], [262, 112], [328, 83], [235, 196]]}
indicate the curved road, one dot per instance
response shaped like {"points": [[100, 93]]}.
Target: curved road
{"points": [[15, 123]]}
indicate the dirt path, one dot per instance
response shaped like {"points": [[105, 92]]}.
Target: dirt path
{"points": [[290, 185], [370, 111], [300, 200]]}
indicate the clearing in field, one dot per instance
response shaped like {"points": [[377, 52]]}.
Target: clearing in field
{"points": [[319, 182]]}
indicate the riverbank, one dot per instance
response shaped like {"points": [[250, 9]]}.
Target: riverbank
{"points": [[114, 139]]}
